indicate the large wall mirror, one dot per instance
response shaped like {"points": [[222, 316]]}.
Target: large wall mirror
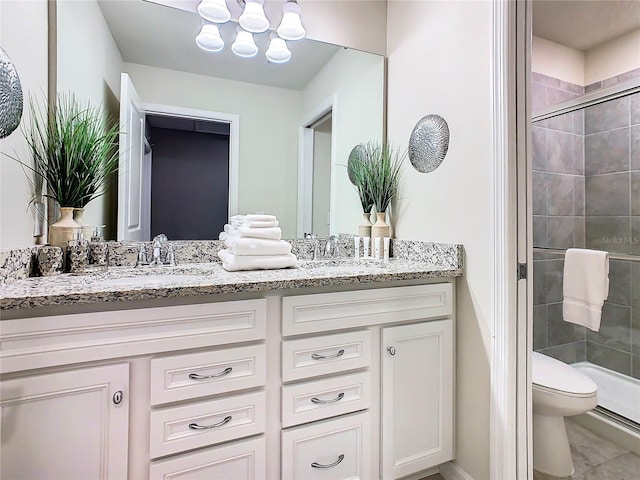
{"points": [[282, 132]]}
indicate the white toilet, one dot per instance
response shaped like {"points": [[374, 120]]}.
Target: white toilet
{"points": [[559, 391]]}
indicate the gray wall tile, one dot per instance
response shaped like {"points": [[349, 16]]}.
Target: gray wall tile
{"points": [[559, 152], [635, 146], [543, 79], [635, 330], [580, 192], [563, 123], [539, 327], [635, 285], [634, 100], [634, 241], [635, 367], [615, 328], [578, 154], [607, 116], [567, 353], [623, 77], [539, 194], [561, 232], [609, 358], [560, 194], [635, 193], [539, 282], [554, 281], [607, 152], [539, 231], [607, 233], [539, 148], [556, 96], [607, 195], [560, 332], [538, 97], [619, 282], [593, 86], [579, 234], [578, 122]]}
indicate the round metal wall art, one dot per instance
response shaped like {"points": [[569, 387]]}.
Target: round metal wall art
{"points": [[356, 153], [10, 96], [428, 143]]}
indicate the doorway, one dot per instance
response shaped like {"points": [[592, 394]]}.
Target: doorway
{"points": [[188, 163]]}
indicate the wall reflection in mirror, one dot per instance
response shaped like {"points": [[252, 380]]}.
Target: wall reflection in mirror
{"points": [[295, 123]]}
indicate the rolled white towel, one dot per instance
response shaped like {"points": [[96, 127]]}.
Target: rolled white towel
{"points": [[260, 223], [257, 246], [273, 233], [234, 263], [260, 217]]}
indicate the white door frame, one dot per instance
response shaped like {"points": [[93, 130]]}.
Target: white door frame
{"points": [[305, 164], [510, 423], [234, 139]]}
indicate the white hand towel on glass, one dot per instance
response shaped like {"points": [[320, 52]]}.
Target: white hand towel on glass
{"points": [[257, 246], [234, 263], [585, 286]]}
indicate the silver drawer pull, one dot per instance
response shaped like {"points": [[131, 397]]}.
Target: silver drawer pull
{"points": [[196, 376], [333, 400], [195, 426], [317, 356], [319, 465]]}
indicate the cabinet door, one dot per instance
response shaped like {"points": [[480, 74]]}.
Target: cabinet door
{"points": [[65, 425], [417, 397]]}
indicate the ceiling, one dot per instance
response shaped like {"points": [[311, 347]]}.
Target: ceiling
{"points": [[160, 36], [584, 24]]}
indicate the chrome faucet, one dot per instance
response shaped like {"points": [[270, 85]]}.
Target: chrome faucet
{"points": [[332, 247], [156, 253]]}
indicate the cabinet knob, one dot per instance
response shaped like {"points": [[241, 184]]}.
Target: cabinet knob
{"points": [[392, 350], [117, 397]]}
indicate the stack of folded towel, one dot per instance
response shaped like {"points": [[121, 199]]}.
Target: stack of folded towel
{"points": [[254, 243]]}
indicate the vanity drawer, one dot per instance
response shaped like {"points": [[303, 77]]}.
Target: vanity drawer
{"points": [[310, 357], [339, 310], [334, 449], [193, 375], [176, 429], [243, 460], [310, 401]]}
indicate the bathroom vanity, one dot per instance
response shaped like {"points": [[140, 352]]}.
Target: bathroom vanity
{"points": [[320, 372]]}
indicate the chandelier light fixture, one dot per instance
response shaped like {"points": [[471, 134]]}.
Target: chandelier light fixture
{"points": [[252, 20]]}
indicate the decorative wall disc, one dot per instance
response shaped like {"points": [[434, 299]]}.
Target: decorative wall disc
{"points": [[356, 153], [428, 143], [10, 96]]}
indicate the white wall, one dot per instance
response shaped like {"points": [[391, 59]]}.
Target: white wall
{"points": [[440, 63], [613, 58], [321, 179], [89, 65], [355, 78], [23, 35], [558, 61], [268, 132]]}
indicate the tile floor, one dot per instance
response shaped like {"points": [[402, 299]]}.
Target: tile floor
{"points": [[595, 458]]}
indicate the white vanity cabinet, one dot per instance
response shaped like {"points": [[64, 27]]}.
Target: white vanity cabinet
{"points": [[298, 387], [68, 424], [388, 365]]}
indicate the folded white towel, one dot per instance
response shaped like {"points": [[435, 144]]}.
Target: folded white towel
{"points": [[585, 286], [257, 246], [273, 233], [234, 263], [260, 223], [260, 217]]}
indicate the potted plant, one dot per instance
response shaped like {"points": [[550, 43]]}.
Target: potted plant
{"points": [[357, 169], [74, 148], [378, 173]]}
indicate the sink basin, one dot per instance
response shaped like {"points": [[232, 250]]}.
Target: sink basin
{"points": [[155, 280]]}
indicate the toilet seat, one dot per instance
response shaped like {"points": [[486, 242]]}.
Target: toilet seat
{"points": [[553, 376]]}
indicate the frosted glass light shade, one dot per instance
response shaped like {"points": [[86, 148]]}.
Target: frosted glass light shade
{"points": [[253, 18], [244, 46], [214, 11], [278, 51], [209, 38], [291, 26]]}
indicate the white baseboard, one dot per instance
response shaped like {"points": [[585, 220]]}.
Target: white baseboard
{"points": [[453, 471]]}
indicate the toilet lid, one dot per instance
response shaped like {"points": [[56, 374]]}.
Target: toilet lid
{"points": [[554, 374]]}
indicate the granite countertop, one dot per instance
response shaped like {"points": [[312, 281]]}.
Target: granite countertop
{"points": [[127, 283]]}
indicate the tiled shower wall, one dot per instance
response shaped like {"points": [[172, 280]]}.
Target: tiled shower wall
{"points": [[586, 193]]}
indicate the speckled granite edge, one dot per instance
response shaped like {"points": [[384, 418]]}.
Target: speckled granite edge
{"points": [[17, 264]]}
